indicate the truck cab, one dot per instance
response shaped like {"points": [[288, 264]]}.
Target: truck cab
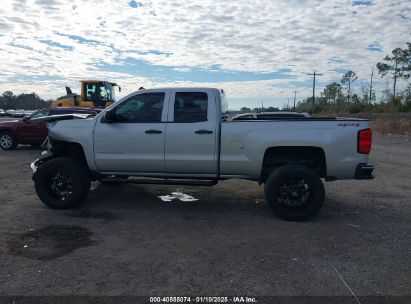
{"points": [[151, 132]]}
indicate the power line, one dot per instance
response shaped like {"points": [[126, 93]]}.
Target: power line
{"points": [[314, 74]]}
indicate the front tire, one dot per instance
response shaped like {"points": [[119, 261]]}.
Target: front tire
{"points": [[294, 192], [62, 183], [8, 141]]}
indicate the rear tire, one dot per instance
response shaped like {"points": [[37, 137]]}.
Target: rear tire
{"points": [[62, 183], [8, 141], [294, 192]]}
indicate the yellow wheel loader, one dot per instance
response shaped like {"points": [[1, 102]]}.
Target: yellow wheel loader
{"points": [[94, 94]]}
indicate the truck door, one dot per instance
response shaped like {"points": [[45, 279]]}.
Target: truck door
{"points": [[134, 141], [191, 133]]}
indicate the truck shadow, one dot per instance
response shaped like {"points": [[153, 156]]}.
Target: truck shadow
{"points": [[228, 199], [231, 199], [245, 197]]}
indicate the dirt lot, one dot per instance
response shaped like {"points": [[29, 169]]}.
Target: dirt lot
{"points": [[124, 240]]}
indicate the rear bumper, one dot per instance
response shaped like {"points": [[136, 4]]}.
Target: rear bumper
{"points": [[364, 171]]}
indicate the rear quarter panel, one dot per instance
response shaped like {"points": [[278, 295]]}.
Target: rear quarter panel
{"points": [[243, 144]]}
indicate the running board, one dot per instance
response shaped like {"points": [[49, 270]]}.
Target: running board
{"points": [[161, 181]]}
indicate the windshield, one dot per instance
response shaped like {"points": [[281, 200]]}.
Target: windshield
{"points": [[101, 91], [39, 113], [110, 92]]}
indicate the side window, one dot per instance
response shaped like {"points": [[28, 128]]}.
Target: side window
{"points": [[190, 107], [145, 108]]}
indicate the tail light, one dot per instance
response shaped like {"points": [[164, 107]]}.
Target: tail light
{"points": [[364, 141]]}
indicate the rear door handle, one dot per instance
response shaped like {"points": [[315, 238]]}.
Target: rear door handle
{"points": [[202, 131], [153, 131]]}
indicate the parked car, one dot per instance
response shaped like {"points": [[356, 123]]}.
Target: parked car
{"points": [[28, 131], [179, 137], [9, 112], [2, 112], [19, 113], [269, 115]]}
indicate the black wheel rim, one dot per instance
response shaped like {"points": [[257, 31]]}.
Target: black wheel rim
{"points": [[294, 193], [59, 184]]}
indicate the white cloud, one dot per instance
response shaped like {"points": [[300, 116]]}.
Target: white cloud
{"points": [[256, 36]]}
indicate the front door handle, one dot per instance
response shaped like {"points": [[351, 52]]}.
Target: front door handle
{"points": [[202, 131], [153, 131]]}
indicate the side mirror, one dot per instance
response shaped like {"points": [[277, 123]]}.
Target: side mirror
{"points": [[26, 118], [110, 116]]}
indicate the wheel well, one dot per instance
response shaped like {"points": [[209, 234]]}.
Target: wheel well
{"points": [[312, 157], [69, 149]]}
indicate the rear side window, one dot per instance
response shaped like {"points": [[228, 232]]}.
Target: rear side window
{"points": [[190, 107], [143, 108]]}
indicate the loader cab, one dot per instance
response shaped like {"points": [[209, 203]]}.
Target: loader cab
{"points": [[100, 93]]}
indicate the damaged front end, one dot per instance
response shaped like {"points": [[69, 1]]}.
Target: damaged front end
{"points": [[53, 147], [45, 156]]}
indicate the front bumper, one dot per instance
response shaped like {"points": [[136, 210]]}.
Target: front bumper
{"points": [[364, 171], [46, 155], [33, 166]]}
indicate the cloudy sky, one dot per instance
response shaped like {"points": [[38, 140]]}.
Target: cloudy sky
{"points": [[255, 50]]}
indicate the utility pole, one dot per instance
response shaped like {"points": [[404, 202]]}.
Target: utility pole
{"points": [[314, 74], [372, 74], [295, 97]]}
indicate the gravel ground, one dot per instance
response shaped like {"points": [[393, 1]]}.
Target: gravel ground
{"points": [[124, 240]]}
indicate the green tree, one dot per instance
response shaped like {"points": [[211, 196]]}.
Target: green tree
{"points": [[272, 109], [347, 80], [332, 92], [398, 65]]}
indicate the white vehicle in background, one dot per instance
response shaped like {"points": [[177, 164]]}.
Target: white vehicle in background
{"points": [[9, 112], [269, 115], [2, 113], [177, 136], [19, 113]]}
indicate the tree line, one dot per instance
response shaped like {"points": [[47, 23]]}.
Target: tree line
{"points": [[23, 101], [339, 97], [335, 97]]}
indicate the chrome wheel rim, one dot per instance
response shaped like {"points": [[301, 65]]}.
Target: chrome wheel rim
{"points": [[6, 141]]}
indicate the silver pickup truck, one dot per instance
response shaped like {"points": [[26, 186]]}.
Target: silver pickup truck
{"points": [[178, 136]]}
